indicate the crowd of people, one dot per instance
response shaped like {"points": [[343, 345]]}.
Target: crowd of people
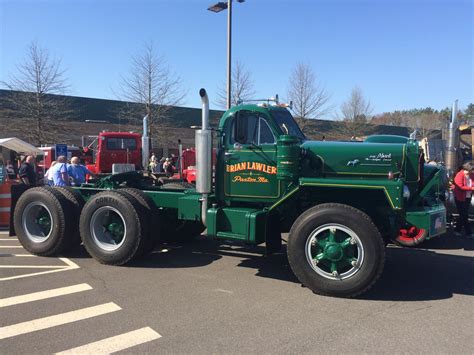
{"points": [[164, 165], [72, 173], [60, 173]]}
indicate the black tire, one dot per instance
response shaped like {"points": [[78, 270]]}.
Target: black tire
{"points": [[77, 202], [121, 212], [348, 248], [40, 220], [154, 219]]}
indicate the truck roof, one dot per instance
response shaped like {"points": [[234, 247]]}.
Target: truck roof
{"points": [[263, 108]]}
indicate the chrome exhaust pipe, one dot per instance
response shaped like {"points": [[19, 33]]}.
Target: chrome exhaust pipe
{"points": [[145, 143], [204, 156], [205, 109], [452, 142]]}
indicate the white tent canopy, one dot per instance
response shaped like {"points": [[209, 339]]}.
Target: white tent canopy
{"points": [[19, 146]]}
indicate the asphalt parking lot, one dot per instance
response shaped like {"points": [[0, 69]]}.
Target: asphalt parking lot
{"points": [[207, 297]]}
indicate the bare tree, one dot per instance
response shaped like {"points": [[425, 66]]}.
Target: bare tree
{"points": [[36, 78], [151, 83], [242, 87], [355, 113], [356, 108], [310, 99]]}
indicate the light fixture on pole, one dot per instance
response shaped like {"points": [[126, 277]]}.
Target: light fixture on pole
{"points": [[218, 7]]}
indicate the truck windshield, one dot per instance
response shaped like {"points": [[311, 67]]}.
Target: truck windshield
{"points": [[121, 143], [287, 123]]}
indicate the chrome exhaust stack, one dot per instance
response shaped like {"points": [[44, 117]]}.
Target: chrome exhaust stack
{"points": [[452, 142], [145, 143], [203, 141]]}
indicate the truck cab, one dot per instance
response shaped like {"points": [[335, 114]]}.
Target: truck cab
{"points": [[116, 148], [265, 162], [247, 169]]}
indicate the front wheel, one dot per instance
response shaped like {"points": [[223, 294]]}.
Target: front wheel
{"points": [[336, 250]]}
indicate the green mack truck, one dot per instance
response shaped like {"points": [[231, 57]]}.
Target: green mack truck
{"points": [[340, 202]]}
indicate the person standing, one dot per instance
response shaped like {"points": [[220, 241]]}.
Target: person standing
{"points": [[168, 167], [159, 166], [463, 187], [77, 172], [153, 166], [59, 172], [27, 171], [48, 177], [11, 170], [153, 158]]}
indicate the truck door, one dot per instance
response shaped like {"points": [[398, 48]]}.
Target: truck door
{"points": [[250, 159]]}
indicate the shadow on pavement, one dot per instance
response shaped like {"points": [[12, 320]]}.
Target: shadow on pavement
{"points": [[193, 253], [204, 251], [422, 275], [448, 242], [411, 274]]}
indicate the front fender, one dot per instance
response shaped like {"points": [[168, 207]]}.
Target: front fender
{"points": [[392, 189]]}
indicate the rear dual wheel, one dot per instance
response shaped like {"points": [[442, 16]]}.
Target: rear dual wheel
{"points": [[76, 202], [154, 222], [114, 227], [45, 221]]}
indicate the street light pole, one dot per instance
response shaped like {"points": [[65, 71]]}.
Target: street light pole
{"points": [[229, 53], [220, 6]]}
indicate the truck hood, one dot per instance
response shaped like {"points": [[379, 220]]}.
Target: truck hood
{"points": [[356, 158]]}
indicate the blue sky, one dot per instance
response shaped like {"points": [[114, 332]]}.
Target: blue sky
{"points": [[402, 53]]}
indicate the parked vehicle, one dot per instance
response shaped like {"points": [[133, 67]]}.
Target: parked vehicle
{"points": [[109, 148], [341, 202]]}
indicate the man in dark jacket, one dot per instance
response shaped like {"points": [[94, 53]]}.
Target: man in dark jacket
{"points": [[27, 171]]}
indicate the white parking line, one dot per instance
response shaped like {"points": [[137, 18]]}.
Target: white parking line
{"points": [[19, 255], [116, 343], [56, 320], [36, 296], [33, 267], [70, 266], [8, 239], [10, 246]]}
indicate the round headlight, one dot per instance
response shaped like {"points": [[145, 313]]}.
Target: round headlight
{"points": [[406, 192]]}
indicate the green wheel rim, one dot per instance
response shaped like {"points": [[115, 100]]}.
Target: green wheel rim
{"points": [[334, 251], [108, 228], [37, 222]]}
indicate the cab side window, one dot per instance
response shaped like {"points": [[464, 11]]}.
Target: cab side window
{"points": [[265, 135], [249, 128]]}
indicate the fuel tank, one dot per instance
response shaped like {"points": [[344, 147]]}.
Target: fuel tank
{"points": [[356, 158]]}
